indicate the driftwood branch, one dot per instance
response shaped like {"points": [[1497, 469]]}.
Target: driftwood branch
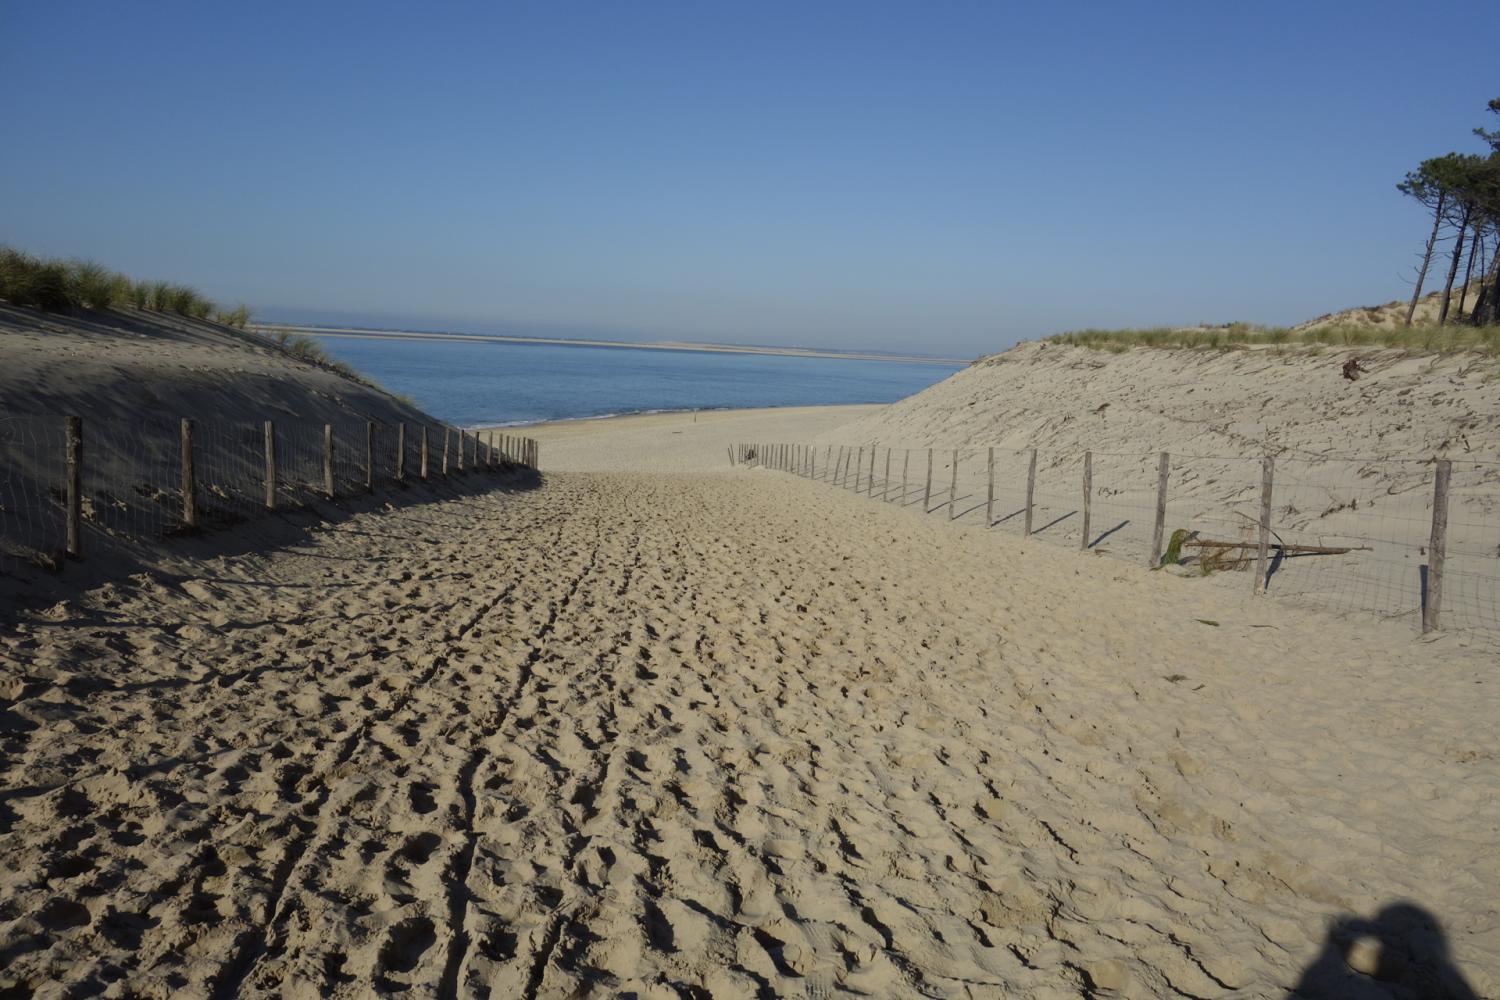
{"points": [[1291, 550]]}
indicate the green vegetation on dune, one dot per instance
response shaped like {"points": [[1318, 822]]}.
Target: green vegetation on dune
{"points": [[1427, 339], [309, 351], [72, 285], [57, 285]]}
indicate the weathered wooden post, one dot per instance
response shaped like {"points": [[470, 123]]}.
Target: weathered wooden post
{"points": [[927, 493], [953, 485], [401, 452], [73, 453], [870, 482], [424, 453], [1164, 467], [837, 465], [1088, 496], [989, 501], [189, 486], [447, 432], [905, 464], [885, 480], [827, 456], [369, 456], [1267, 471], [461, 447], [328, 461], [270, 465], [1437, 548], [1030, 491]]}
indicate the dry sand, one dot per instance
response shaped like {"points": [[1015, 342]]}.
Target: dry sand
{"points": [[726, 733], [678, 442]]}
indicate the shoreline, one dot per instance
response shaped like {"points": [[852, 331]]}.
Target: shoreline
{"points": [[637, 418], [358, 333]]}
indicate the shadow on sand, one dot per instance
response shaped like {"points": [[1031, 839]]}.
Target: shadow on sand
{"points": [[109, 558], [1400, 952]]}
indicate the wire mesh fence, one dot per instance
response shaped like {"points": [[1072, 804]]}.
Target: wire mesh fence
{"points": [[1343, 533], [68, 485]]}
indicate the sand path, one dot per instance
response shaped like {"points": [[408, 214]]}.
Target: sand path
{"points": [[726, 734]]}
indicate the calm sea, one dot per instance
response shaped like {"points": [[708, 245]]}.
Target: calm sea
{"points": [[498, 383]]}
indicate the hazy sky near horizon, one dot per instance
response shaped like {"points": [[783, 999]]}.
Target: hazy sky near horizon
{"points": [[940, 178]]}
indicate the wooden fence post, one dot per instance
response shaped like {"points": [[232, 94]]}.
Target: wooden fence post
{"points": [[1164, 467], [859, 467], [424, 453], [1267, 470], [1437, 548], [870, 483], [953, 484], [461, 447], [827, 457], [885, 480], [328, 461], [927, 493], [189, 486], [1030, 491], [73, 452], [989, 502], [1088, 495], [838, 464], [401, 452], [447, 432], [270, 465], [905, 464], [369, 456]]}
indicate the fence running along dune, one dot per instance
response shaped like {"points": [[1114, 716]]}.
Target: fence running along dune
{"points": [[1409, 540], [69, 485]]}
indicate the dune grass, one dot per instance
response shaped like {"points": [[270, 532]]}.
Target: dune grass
{"points": [[1425, 339], [57, 285], [306, 349]]}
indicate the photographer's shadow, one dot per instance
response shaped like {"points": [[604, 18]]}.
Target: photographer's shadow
{"points": [[1400, 953]]}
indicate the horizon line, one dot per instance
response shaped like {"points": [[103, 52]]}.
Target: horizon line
{"points": [[356, 332]]}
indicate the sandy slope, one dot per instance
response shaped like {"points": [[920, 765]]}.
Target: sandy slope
{"points": [[1353, 459], [726, 735], [133, 366]]}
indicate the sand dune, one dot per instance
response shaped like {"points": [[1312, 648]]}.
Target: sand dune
{"points": [[728, 734], [1353, 459]]}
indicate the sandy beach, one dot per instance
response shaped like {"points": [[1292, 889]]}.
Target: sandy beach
{"points": [[726, 732]]}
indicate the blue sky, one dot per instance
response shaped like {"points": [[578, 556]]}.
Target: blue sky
{"points": [[930, 177]]}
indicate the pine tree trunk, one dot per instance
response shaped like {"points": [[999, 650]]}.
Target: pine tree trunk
{"points": [[1437, 220], [1458, 253], [1489, 295], [1463, 293], [1492, 312]]}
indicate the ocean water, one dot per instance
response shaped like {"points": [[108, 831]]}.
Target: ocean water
{"points": [[490, 382]]}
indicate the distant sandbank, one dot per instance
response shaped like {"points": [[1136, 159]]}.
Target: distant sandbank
{"points": [[664, 345]]}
